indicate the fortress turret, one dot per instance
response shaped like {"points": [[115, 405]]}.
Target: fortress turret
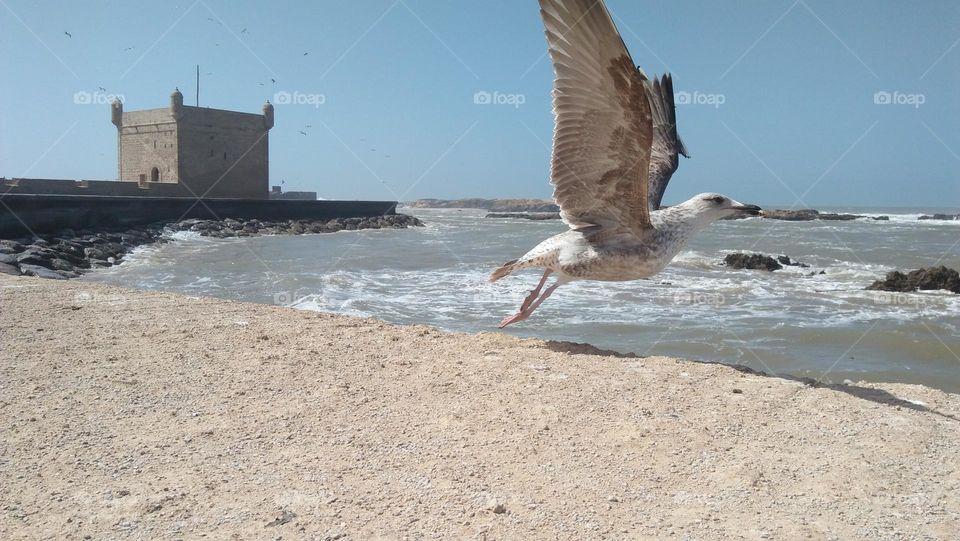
{"points": [[116, 112], [268, 114], [176, 103]]}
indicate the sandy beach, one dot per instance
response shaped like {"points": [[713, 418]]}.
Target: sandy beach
{"points": [[130, 414]]}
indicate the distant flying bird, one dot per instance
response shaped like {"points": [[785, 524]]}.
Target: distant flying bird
{"points": [[244, 31], [615, 147], [272, 80], [129, 48], [308, 126], [101, 89], [306, 53], [303, 132], [69, 35]]}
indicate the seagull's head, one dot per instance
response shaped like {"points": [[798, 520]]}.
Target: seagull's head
{"points": [[710, 207]]}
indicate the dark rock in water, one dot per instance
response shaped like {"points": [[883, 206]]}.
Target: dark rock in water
{"points": [[752, 261], [43, 272], [882, 218], [841, 217], [785, 260], [525, 215], [6, 268], [799, 215], [8, 259], [940, 217], [805, 215], [922, 279]]}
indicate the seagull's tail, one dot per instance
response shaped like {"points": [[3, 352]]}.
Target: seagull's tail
{"points": [[503, 270]]}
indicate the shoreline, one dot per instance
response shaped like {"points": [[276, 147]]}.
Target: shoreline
{"points": [[68, 254], [143, 414]]}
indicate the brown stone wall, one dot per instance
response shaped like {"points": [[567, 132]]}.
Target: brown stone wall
{"points": [[148, 139], [223, 153]]}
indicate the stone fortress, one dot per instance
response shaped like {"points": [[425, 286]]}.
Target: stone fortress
{"points": [[173, 163], [178, 151], [209, 152]]}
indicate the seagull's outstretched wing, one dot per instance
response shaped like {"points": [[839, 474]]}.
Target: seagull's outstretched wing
{"points": [[667, 146], [601, 143]]}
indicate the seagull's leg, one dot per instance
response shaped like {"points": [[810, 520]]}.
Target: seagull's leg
{"points": [[536, 291], [524, 313]]}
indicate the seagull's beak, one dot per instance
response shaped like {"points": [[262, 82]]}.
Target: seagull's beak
{"points": [[749, 210]]}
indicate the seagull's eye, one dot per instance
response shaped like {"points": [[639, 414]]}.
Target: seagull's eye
{"points": [[718, 200]]}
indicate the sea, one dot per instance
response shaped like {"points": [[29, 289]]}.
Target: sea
{"points": [[795, 322]]}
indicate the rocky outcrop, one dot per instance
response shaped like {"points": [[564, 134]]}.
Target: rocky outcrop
{"points": [[922, 279], [760, 262], [247, 228], [785, 260], [800, 215], [805, 215], [940, 217], [71, 253], [493, 205], [752, 261], [525, 215]]}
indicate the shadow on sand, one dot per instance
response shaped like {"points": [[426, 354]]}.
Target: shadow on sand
{"points": [[878, 396]]}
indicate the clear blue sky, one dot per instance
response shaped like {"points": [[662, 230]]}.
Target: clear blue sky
{"points": [[397, 77]]}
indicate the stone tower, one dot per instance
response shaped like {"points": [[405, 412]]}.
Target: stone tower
{"points": [[211, 152]]}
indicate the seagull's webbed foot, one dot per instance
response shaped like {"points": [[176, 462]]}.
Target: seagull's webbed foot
{"points": [[519, 316], [534, 293], [527, 308]]}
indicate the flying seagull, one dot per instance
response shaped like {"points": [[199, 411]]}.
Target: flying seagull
{"points": [[69, 35], [615, 147]]}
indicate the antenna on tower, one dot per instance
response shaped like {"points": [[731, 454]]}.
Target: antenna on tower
{"points": [[198, 85]]}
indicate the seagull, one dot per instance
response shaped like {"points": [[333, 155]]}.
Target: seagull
{"points": [[615, 147], [69, 35]]}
